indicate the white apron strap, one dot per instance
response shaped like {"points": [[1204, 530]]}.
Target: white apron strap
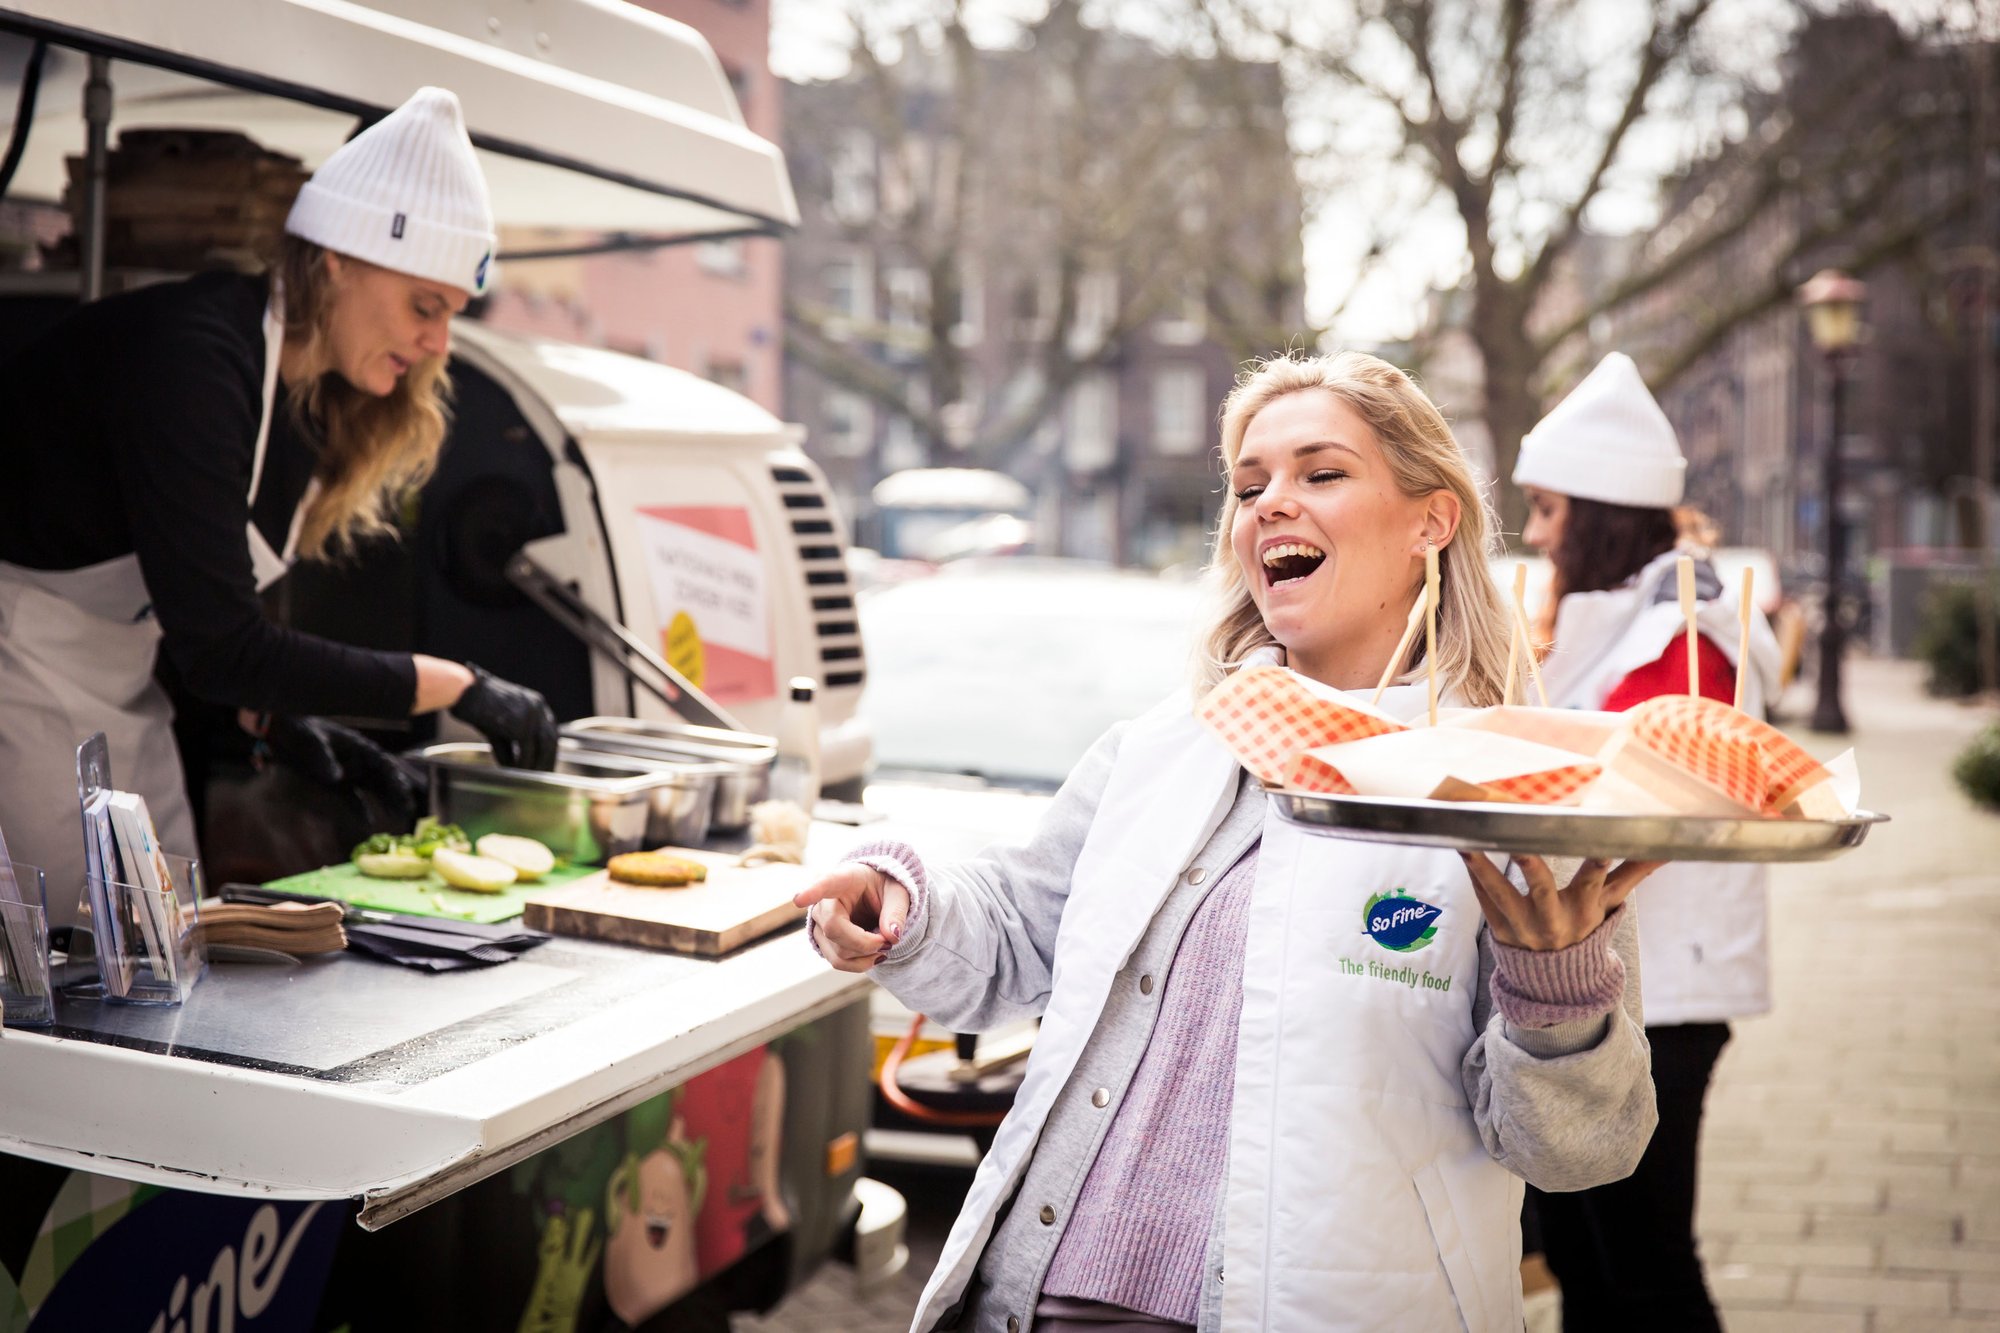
{"points": [[266, 565]]}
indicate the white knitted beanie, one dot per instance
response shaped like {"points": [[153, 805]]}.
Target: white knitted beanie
{"points": [[1608, 441], [405, 193]]}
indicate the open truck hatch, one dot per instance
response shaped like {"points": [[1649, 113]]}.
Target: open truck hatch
{"points": [[593, 117]]}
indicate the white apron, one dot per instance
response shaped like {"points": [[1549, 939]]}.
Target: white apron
{"points": [[77, 648], [1704, 953], [1359, 1195]]}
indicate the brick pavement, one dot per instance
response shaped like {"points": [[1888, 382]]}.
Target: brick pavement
{"points": [[1851, 1171], [1851, 1160]]}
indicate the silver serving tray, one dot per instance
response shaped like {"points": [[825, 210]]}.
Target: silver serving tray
{"points": [[1559, 831]]}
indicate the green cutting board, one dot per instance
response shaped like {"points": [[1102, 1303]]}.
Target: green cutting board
{"points": [[429, 896]]}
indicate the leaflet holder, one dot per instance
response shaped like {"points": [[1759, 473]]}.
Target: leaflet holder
{"points": [[135, 943], [26, 999]]}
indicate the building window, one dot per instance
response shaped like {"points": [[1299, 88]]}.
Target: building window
{"points": [[1035, 300], [849, 424], [853, 170], [729, 372], [1185, 320], [904, 176], [1180, 409], [969, 324], [723, 258], [849, 284], [1096, 310], [907, 291], [1093, 423]]}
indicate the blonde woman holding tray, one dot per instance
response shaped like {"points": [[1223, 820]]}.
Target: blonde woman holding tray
{"points": [[1256, 1101]]}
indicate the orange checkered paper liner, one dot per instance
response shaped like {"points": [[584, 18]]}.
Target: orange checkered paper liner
{"points": [[1551, 786], [1316, 775], [1749, 761], [1268, 717]]}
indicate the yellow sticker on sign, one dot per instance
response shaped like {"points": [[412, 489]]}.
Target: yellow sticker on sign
{"points": [[684, 652]]}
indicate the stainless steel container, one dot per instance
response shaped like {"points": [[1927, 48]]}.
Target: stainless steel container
{"points": [[682, 806], [593, 806], [745, 757]]}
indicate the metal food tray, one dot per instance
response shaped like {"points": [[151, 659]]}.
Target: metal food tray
{"points": [[593, 806], [1562, 831], [748, 757]]}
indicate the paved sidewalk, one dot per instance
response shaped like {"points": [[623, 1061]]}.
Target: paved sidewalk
{"points": [[1851, 1162], [1851, 1171]]}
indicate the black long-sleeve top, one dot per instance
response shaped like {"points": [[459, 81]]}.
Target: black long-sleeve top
{"points": [[130, 428]]}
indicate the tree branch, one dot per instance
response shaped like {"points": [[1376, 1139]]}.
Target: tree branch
{"points": [[1779, 290], [1668, 40], [1513, 32], [1883, 152]]}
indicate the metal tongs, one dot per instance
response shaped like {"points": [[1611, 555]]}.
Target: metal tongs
{"points": [[624, 649]]}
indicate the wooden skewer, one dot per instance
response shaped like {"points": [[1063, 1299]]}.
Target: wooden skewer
{"points": [[1527, 638], [1743, 633], [1514, 638], [1402, 649], [1431, 625], [1686, 570]]}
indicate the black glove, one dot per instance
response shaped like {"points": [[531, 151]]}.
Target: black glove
{"points": [[337, 756], [518, 721]]}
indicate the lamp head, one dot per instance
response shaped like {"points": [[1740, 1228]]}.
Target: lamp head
{"points": [[1832, 301]]}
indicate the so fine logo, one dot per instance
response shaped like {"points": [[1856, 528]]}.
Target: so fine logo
{"points": [[1398, 922]]}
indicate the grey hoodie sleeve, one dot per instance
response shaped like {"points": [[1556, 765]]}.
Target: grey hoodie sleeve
{"points": [[980, 950], [1570, 1106]]}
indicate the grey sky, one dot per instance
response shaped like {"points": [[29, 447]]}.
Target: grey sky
{"points": [[809, 39]]}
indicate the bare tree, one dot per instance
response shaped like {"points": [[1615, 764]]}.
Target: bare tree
{"points": [[1522, 116], [1079, 177]]}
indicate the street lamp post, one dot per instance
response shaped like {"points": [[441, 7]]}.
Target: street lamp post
{"points": [[1832, 302]]}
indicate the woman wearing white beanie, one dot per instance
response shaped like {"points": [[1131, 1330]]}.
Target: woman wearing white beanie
{"points": [[173, 449], [1603, 475]]}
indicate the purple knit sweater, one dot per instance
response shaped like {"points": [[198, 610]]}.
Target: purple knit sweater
{"points": [[1139, 1231]]}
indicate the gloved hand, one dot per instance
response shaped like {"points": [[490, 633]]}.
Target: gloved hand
{"points": [[337, 756], [518, 721]]}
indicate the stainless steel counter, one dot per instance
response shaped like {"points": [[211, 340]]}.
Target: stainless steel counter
{"points": [[348, 1078]]}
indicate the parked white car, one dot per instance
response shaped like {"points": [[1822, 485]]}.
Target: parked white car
{"points": [[1008, 669]]}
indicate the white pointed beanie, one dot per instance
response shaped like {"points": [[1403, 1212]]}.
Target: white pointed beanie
{"points": [[406, 193], [1607, 441]]}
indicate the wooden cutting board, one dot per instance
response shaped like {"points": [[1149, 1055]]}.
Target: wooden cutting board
{"points": [[732, 907]]}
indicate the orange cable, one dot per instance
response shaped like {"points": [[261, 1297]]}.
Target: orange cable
{"points": [[916, 1110]]}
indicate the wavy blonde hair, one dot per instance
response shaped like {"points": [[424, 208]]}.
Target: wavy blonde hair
{"points": [[1423, 458], [375, 450]]}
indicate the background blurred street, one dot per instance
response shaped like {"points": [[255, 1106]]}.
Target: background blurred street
{"points": [[1851, 1166]]}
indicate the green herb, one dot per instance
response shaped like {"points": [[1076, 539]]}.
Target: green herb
{"points": [[426, 838]]}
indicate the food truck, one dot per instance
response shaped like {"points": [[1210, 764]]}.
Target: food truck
{"points": [[611, 1125]]}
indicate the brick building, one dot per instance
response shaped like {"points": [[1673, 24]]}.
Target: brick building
{"points": [[1054, 275]]}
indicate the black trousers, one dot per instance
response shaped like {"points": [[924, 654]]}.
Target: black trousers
{"points": [[1625, 1252]]}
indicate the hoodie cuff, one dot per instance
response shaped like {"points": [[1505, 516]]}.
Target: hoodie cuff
{"points": [[900, 862], [1547, 988]]}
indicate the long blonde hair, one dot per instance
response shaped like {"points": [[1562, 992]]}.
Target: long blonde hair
{"points": [[374, 450], [1473, 627]]}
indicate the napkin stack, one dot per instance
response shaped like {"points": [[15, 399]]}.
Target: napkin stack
{"points": [[293, 928]]}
